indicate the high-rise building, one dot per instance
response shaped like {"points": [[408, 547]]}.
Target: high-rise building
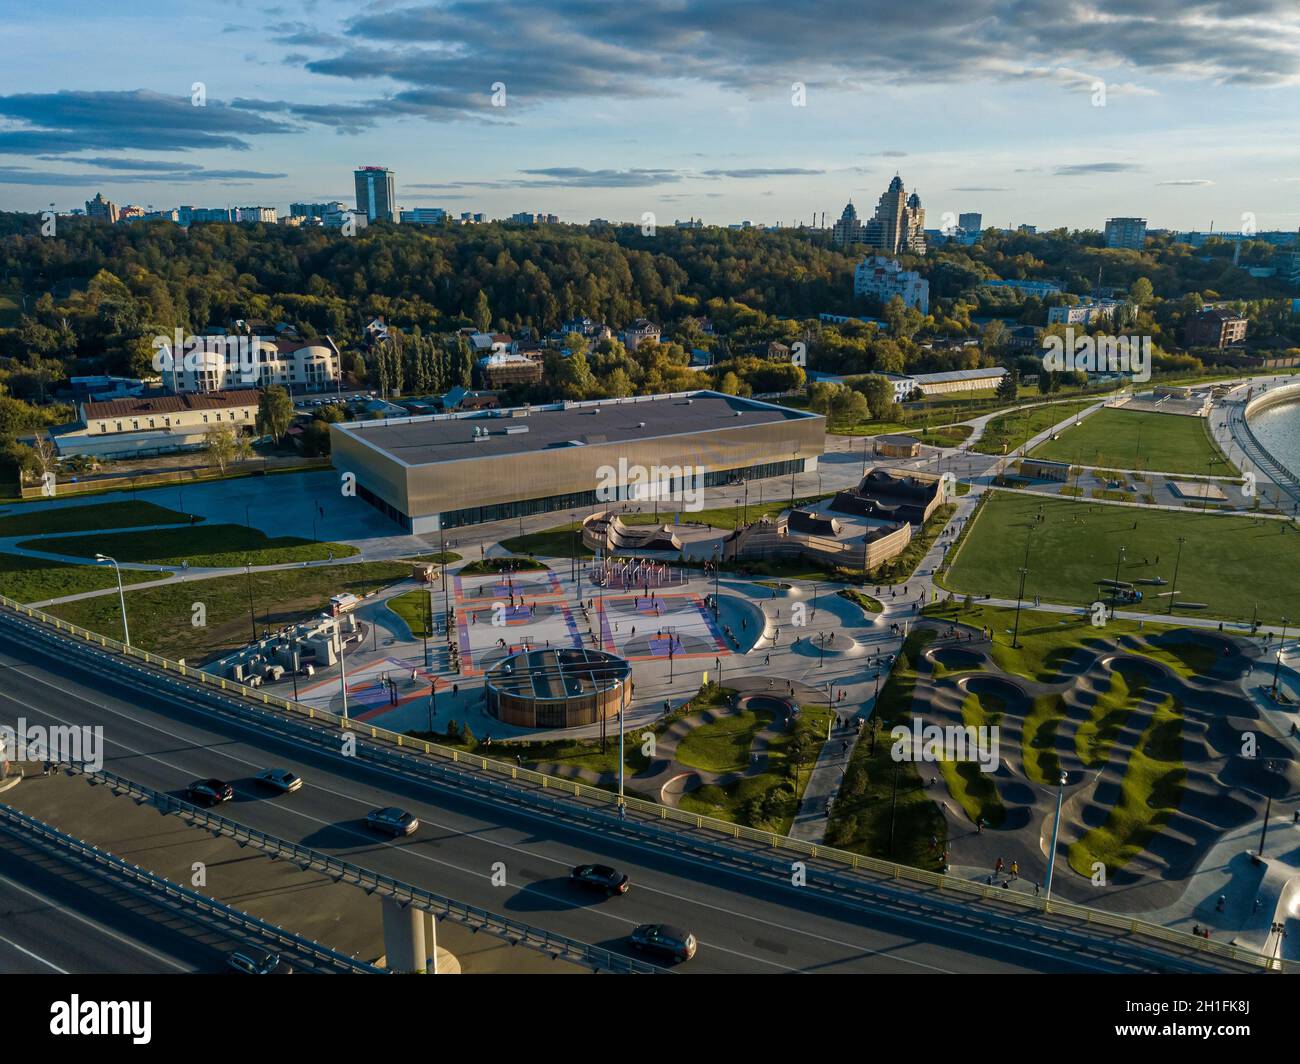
{"points": [[899, 222], [102, 210], [255, 214], [971, 222], [377, 193], [1126, 233], [848, 230]]}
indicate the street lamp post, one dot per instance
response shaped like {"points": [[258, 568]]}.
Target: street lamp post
{"points": [[1178, 557], [1114, 594], [618, 686], [121, 598], [343, 670], [252, 615], [1277, 665], [1056, 827], [1020, 595]]}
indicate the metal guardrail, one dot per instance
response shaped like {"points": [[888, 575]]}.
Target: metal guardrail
{"points": [[113, 869], [504, 772], [558, 947]]}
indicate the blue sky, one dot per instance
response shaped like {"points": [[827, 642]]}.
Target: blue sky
{"points": [[679, 107]]}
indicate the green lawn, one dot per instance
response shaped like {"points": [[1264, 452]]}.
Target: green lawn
{"points": [[203, 546], [1231, 564], [501, 565], [563, 541], [1003, 434], [724, 744], [87, 518], [865, 602], [1096, 735], [416, 608], [162, 617], [1116, 438], [36, 580]]}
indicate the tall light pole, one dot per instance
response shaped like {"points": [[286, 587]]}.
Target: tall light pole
{"points": [[121, 597], [1114, 594], [1056, 827], [618, 686], [1020, 595], [343, 671], [1277, 665], [252, 615], [1173, 589]]}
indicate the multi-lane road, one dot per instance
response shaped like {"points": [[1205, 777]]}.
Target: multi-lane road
{"points": [[462, 846]]}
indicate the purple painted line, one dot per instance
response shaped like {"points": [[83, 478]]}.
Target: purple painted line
{"points": [[572, 626]]}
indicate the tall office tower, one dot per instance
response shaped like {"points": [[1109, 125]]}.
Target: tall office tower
{"points": [[376, 193], [1126, 233], [102, 210], [848, 230], [899, 222], [971, 222]]}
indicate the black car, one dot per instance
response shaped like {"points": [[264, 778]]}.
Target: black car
{"points": [[599, 877], [211, 792], [257, 962], [664, 939]]}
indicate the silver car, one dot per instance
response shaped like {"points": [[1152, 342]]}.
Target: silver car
{"points": [[280, 779], [392, 820]]}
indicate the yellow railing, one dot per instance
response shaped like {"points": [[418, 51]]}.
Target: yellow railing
{"points": [[508, 770]]}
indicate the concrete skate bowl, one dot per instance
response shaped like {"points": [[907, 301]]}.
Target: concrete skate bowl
{"points": [[744, 620], [1208, 655], [775, 706], [953, 659]]}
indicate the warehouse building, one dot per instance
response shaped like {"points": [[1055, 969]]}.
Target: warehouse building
{"points": [[452, 470]]}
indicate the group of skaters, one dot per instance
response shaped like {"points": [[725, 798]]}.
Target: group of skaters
{"points": [[1012, 875]]}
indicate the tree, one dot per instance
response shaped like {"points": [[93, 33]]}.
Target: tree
{"points": [[879, 394], [482, 312], [1009, 386], [1141, 292], [219, 443], [274, 412]]}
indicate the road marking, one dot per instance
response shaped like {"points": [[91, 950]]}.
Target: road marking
{"points": [[34, 956], [96, 925]]}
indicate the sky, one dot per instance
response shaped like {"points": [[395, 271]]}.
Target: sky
{"points": [[1039, 112]]}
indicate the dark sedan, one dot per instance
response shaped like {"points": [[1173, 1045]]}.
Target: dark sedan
{"points": [[599, 877], [664, 939], [211, 792]]}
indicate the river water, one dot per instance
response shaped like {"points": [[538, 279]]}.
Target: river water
{"points": [[1278, 429]]}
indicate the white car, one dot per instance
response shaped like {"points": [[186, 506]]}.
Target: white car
{"points": [[280, 779]]}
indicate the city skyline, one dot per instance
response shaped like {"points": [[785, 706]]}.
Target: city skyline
{"points": [[683, 111]]}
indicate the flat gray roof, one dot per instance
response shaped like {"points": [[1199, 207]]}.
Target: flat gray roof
{"points": [[444, 438]]}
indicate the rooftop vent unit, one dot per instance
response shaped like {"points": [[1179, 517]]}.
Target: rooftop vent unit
{"points": [[738, 413], [640, 424], [515, 430]]}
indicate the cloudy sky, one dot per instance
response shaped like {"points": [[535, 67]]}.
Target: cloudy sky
{"points": [[679, 107]]}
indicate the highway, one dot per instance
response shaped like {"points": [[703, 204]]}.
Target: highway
{"points": [[743, 926]]}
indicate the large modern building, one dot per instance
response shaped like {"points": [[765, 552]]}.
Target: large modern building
{"points": [[227, 362], [452, 470], [377, 193]]}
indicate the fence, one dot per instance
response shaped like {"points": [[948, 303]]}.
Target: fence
{"points": [[502, 771]]}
